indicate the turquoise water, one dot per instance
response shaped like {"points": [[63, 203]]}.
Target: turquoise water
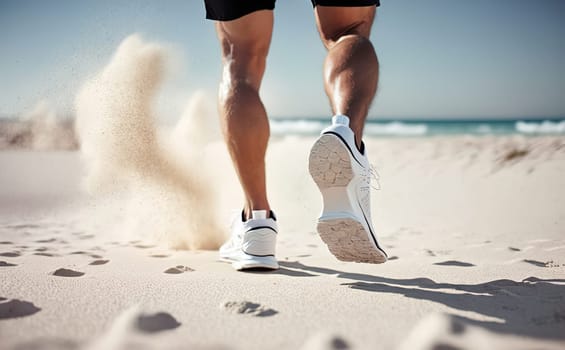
{"points": [[431, 127]]}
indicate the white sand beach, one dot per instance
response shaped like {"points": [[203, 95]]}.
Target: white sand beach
{"points": [[473, 227], [114, 246]]}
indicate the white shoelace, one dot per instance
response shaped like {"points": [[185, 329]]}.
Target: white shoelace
{"points": [[375, 175]]}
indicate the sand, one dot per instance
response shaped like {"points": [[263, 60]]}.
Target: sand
{"points": [[105, 247], [474, 227]]}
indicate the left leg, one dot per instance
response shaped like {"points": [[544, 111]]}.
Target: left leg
{"points": [[338, 161], [351, 68]]}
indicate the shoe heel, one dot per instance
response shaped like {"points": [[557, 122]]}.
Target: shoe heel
{"points": [[348, 240], [329, 163], [260, 242]]}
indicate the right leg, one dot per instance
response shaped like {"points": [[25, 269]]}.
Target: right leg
{"points": [[245, 44], [244, 39]]}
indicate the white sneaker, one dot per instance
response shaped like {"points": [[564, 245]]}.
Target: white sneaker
{"points": [[343, 175], [252, 242]]}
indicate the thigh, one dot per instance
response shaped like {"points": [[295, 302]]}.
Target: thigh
{"points": [[334, 22], [245, 44]]}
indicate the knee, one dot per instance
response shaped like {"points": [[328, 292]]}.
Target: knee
{"points": [[241, 79], [236, 83], [351, 50], [357, 32], [243, 63], [242, 73], [354, 43]]}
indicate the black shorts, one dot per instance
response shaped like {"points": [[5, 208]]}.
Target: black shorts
{"points": [[227, 10]]}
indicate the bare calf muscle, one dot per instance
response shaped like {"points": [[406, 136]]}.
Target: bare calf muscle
{"points": [[351, 68], [245, 45]]}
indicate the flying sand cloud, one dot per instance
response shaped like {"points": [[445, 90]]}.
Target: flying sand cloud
{"points": [[161, 178]]}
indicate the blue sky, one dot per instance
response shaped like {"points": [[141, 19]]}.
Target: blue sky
{"points": [[439, 58]]}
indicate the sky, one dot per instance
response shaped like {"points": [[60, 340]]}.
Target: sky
{"points": [[438, 58]]}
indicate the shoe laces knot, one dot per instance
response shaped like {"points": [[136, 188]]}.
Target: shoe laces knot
{"points": [[372, 173]]}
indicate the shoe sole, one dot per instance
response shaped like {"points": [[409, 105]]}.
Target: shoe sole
{"points": [[252, 262], [347, 239]]}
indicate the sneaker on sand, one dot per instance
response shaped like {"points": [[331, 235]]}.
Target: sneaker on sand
{"points": [[252, 242], [343, 175]]}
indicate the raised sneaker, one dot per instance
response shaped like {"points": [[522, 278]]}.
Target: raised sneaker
{"points": [[252, 242], [343, 175]]}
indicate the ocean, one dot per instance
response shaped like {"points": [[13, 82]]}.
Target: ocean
{"points": [[60, 134], [427, 127]]}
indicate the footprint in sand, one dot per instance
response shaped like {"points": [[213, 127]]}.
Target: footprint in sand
{"points": [[430, 252], [178, 269], [67, 273], [49, 240], [534, 262], [83, 237], [6, 264], [79, 252], [45, 254], [549, 263], [22, 226], [16, 308], [454, 263], [153, 323], [6, 242], [144, 246], [159, 256], [10, 254], [99, 262], [248, 308], [514, 249]]}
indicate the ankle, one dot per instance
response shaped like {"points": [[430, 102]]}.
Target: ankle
{"points": [[253, 213]]}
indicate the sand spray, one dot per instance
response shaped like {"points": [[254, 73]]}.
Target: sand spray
{"points": [[161, 177]]}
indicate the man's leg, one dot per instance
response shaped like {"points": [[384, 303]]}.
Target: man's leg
{"points": [[338, 162], [351, 68], [245, 44]]}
